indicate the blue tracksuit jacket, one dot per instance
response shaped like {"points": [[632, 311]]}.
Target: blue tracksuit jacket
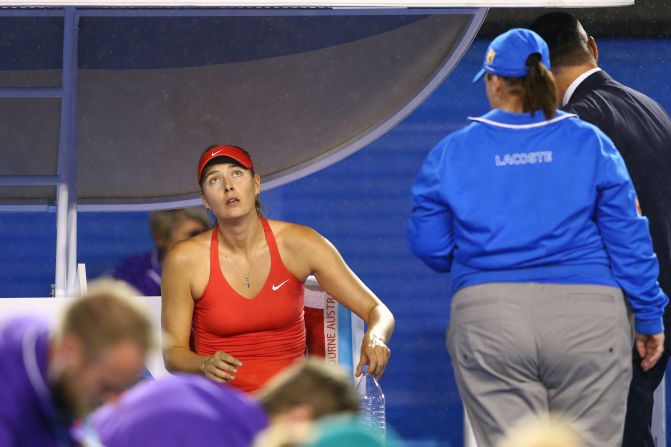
{"points": [[515, 198]]}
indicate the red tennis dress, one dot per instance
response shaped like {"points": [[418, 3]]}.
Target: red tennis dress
{"points": [[266, 333]]}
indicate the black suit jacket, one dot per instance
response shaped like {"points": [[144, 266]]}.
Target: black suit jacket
{"points": [[641, 131]]}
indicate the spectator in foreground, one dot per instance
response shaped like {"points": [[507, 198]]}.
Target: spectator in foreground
{"points": [[552, 431], [190, 410], [49, 379]]}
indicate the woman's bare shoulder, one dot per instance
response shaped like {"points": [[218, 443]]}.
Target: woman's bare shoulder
{"points": [[291, 234], [190, 251]]}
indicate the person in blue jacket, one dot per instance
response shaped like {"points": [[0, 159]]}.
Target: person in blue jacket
{"points": [[535, 216]]}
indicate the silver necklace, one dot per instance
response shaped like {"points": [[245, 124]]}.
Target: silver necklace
{"points": [[248, 282]]}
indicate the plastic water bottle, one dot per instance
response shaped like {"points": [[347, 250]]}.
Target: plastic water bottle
{"points": [[372, 403]]}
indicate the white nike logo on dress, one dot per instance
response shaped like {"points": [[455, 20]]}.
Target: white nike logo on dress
{"points": [[277, 287], [215, 153]]}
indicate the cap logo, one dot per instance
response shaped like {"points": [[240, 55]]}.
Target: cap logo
{"points": [[490, 56], [215, 153]]}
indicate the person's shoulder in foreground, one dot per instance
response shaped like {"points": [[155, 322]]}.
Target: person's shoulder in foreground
{"points": [[338, 431], [23, 345], [333, 431], [163, 412]]}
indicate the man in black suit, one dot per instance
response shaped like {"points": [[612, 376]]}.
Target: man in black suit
{"points": [[641, 130]]}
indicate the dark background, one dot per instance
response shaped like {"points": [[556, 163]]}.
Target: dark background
{"points": [[650, 19]]}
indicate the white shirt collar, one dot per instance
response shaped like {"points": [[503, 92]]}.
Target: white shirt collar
{"points": [[574, 85]]}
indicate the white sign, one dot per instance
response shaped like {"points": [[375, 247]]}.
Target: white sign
{"points": [[331, 331]]}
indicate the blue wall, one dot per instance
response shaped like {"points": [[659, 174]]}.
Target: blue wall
{"points": [[361, 205]]}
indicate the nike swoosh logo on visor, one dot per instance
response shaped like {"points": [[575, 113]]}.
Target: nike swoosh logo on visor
{"points": [[275, 288], [215, 153]]}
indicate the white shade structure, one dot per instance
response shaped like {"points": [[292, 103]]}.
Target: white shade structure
{"points": [[109, 108], [299, 89]]}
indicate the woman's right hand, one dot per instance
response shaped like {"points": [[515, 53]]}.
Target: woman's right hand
{"points": [[220, 367]]}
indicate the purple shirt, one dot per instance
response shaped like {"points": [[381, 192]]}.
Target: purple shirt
{"points": [[179, 411], [143, 272], [27, 415]]}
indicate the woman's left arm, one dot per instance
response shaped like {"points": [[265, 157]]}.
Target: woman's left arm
{"points": [[340, 282]]}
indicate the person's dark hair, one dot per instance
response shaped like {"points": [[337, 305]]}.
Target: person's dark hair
{"points": [[566, 39], [222, 160], [325, 388], [537, 89]]}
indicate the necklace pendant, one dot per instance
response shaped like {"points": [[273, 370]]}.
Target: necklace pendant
{"points": [[247, 282]]}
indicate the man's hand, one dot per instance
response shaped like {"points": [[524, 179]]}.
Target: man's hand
{"points": [[650, 348]]}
